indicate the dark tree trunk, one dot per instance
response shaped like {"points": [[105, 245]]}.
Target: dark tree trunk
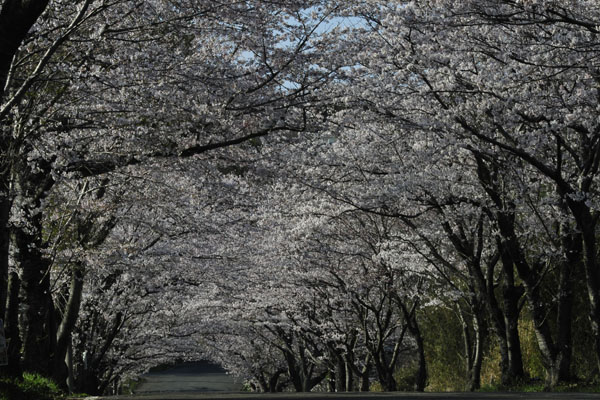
{"points": [[31, 187], [63, 336], [503, 322], [467, 346], [332, 381], [510, 297], [300, 370], [4, 241], [5, 205], [385, 374], [340, 374], [498, 324], [587, 223], [539, 310], [415, 331], [71, 372], [35, 295], [386, 377], [365, 384], [362, 374], [11, 327], [478, 327], [512, 254], [571, 243], [274, 385], [349, 383], [35, 287], [385, 369], [593, 286], [473, 344], [16, 19], [293, 370], [270, 384]]}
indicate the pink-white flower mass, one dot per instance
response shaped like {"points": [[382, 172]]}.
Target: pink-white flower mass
{"points": [[295, 189]]}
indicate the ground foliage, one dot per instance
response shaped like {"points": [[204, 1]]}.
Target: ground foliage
{"points": [[30, 387]]}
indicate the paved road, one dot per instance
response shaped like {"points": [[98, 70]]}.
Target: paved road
{"points": [[357, 396], [203, 381], [189, 377]]}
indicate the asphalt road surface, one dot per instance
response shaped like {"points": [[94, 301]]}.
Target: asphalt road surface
{"points": [[358, 396], [203, 381], [189, 377]]}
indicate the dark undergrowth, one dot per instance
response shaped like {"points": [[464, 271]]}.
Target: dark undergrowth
{"points": [[538, 386], [31, 387]]}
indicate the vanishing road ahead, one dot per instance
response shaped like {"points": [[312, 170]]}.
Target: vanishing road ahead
{"points": [[358, 396], [204, 381]]}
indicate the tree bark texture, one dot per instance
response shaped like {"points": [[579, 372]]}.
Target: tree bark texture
{"points": [[11, 327], [16, 19], [69, 319], [31, 187], [4, 240], [512, 254]]}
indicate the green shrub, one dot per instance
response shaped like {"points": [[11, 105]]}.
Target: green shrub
{"points": [[31, 387], [443, 350], [406, 377], [532, 359], [375, 387], [535, 385]]}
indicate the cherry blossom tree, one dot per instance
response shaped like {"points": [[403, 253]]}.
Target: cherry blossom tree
{"points": [[289, 193], [319, 285], [98, 86], [502, 84]]}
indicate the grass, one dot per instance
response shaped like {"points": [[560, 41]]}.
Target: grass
{"points": [[538, 386], [32, 387]]}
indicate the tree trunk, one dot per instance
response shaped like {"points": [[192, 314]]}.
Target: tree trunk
{"points": [[332, 381], [421, 376], [293, 371], [384, 374], [70, 314], [593, 288], [510, 298], [340, 374], [479, 329], [512, 254], [385, 369], [587, 223], [5, 205], [467, 345], [71, 375], [349, 383], [31, 186], [35, 294], [571, 248], [499, 321], [387, 380], [503, 322], [539, 310], [473, 344], [16, 19], [4, 248], [274, 381], [11, 327], [365, 384], [35, 288]]}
